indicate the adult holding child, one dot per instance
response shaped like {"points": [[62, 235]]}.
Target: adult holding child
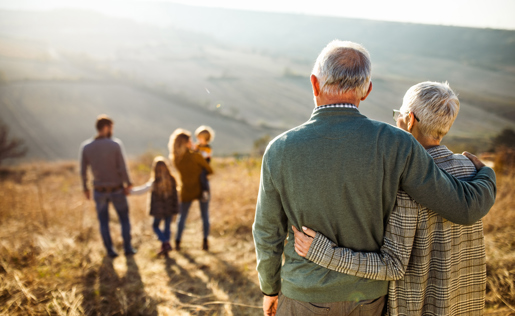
{"points": [[190, 165]]}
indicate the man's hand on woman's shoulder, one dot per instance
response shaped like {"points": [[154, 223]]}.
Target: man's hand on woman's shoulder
{"points": [[477, 163]]}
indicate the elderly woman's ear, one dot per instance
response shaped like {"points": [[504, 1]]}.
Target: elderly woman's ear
{"points": [[411, 121]]}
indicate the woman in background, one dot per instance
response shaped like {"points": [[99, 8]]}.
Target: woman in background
{"points": [[190, 165]]}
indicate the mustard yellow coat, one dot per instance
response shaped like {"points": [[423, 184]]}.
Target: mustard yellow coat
{"points": [[190, 167]]}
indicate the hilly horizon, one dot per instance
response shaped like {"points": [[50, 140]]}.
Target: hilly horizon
{"points": [[229, 69]]}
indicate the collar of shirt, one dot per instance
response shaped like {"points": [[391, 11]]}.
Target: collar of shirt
{"points": [[337, 105]]}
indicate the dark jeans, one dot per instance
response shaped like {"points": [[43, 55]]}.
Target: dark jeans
{"points": [[290, 307], [204, 182], [164, 235], [119, 201], [204, 212]]}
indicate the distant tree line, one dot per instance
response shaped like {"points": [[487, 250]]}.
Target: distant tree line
{"points": [[10, 147], [505, 139]]}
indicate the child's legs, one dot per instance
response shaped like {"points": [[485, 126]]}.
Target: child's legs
{"points": [[204, 182], [167, 231], [185, 207], [158, 231]]}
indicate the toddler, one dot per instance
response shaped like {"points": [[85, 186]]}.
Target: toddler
{"points": [[204, 135]]}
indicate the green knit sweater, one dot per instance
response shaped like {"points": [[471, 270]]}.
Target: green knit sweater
{"points": [[339, 174]]}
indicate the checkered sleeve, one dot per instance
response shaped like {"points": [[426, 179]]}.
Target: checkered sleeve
{"points": [[391, 261]]}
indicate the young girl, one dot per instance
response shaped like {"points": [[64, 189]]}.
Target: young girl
{"points": [[164, 204]]}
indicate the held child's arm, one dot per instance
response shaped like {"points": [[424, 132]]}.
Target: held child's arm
{"points": [[142, 188], [203, 163], [391, 261]]}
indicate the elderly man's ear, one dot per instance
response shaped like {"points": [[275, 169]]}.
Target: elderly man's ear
{"points": [[315, 85], [369, 90]]}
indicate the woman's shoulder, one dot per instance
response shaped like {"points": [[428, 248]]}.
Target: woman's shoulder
{"points": [[195, 155]]}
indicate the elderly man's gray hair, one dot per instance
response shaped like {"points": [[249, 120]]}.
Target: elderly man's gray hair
{"points": [[435, 105], [343, 66]]}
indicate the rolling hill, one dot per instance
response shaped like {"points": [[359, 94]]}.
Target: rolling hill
{"points": [[246, 74]]}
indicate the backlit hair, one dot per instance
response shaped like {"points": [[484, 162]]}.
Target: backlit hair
{"points": [[103, 120], [161, 177], [177, 145], [206, 131], [435, 105], [343, 66]]}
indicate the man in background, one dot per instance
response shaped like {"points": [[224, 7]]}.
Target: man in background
{"points": [[340, 172], [111, 182]]}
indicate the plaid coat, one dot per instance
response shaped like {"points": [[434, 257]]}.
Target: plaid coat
{"points": [[435, 267]]}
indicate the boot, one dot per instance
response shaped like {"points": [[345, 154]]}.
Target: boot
{"points": [[163, 249], [178, 245], [205, 245]]}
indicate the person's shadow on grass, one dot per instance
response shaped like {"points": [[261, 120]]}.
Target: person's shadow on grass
{"points": [[107, 294]]}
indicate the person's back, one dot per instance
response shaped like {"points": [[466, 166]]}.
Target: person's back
{"points": [[436, 267], [348, 194], [105, 157], [446, 273]]}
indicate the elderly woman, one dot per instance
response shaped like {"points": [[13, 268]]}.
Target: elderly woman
{"points": [[190, 165], [435, 267]]}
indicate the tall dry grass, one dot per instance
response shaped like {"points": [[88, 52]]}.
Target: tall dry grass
{"points": [[499, 227], [52, 261]]}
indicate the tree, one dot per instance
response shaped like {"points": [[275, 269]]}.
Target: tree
{"points": [[260, 144], [505, 139], [10, 147]]}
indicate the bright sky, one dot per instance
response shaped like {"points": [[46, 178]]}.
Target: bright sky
{"points": [[473, 13]]}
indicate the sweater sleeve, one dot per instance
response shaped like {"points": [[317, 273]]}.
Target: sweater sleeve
{"points": [[269, 231], [393, 258], [458, 201]]}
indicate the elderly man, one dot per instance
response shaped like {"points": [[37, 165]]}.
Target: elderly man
{"points": [[340, 172], [105, 157], [437, 267]]}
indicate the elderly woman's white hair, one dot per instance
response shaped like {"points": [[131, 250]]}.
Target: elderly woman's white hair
{"points": [[435, 105], [343, 66]]}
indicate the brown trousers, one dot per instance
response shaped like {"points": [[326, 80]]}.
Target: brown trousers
{"points": [[290, 307]]}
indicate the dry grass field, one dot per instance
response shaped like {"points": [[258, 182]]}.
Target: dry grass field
{"points": [[52, 260]]}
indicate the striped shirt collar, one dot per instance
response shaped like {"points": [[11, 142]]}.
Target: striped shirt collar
{"points": [[337, 105]]}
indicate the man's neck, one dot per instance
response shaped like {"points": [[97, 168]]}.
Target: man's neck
{"points": [[348, 98], [100, 135]]}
